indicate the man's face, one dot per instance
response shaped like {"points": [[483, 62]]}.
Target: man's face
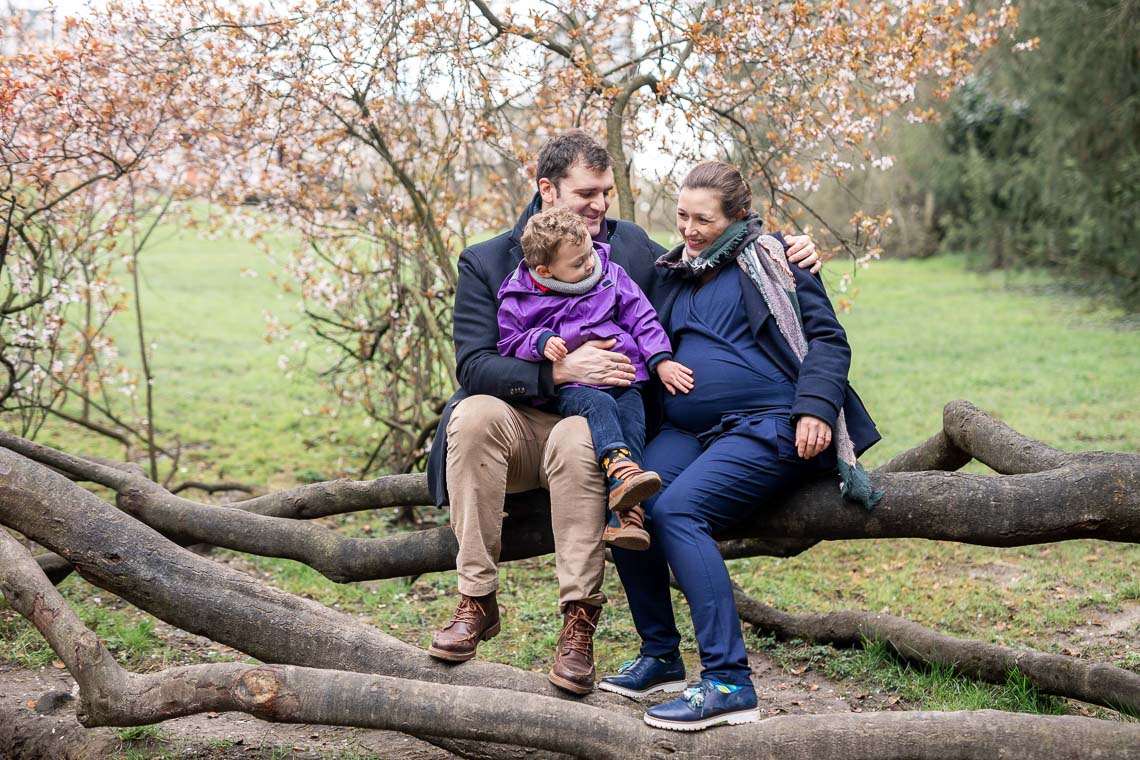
{"points": [[584, 191]]}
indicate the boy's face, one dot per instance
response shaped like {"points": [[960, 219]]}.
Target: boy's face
{"points": [[574, 262]]}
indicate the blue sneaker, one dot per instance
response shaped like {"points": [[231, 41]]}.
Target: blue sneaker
{"points": [[707, 704], [645, 675]]}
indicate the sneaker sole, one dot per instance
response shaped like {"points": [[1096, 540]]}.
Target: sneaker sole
{"points": [[628, 538], [668, 687], [570, 686], [636, 490], [443, 654], [732, 719]]}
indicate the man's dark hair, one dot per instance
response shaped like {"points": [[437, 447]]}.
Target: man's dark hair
{"points": [[567, 149]]}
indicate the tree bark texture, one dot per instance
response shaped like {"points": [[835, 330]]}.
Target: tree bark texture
{"points": [[1047, 496], [111, 696], [1058, 674], [353, 674], [115, 552]]}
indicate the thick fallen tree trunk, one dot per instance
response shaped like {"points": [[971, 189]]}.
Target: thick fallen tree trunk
{"points": [[112, 696], [1049, 496], [115, 552], [1039, 501], [1058, 674]]}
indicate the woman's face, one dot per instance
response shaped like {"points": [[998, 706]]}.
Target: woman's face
{"points": [[700, 219]]}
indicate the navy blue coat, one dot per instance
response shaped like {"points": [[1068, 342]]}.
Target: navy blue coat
{"points": [[479, 367], [821, 381], [821, 386]]}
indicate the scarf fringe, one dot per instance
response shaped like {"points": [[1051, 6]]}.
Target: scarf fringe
{"points": [[765, 270], [855, 485]]}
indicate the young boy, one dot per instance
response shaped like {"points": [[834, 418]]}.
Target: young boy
{"points": [[565, 292]]}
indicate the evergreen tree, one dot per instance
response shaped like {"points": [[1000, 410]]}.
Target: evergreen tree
{"points": [[1043, 163]]}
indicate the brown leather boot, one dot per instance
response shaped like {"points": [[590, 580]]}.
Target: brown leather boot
{"points": [[630, 532], [476, 619], [574, 658], [628, 484]]}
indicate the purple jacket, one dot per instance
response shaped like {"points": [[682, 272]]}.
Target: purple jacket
{"points": [[615, 308]]}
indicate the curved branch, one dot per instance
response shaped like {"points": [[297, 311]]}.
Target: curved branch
{"points": [[212, 487], [55, 567], [331, 497], [1092, 495], [1085, 680], [502, 29], [995, 444], [117, 553], [936, 453], [615, 119]]}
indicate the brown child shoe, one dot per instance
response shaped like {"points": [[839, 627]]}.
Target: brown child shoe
{"points": [[630, 532], [476, 619], [628, 484]]}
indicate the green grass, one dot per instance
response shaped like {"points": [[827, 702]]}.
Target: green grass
{"points": [[138, 733], [1050, 364], [20, 643], [218, 386], [1055, 367], [935, 687]]}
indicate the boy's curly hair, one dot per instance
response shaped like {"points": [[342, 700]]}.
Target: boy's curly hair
{"points": [[547, 230]]}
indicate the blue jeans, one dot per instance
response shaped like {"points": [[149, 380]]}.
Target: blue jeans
{"points": [[709, 483], [616, 416]]}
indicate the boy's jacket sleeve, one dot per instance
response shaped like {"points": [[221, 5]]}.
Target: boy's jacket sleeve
{"points": [[481, 369]]}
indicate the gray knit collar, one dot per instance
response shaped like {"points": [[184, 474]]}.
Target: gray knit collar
{"points": [[571, 288]]}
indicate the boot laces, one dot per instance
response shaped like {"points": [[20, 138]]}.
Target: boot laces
{"points": [[694, 695], [469, 611], [578, 633]]}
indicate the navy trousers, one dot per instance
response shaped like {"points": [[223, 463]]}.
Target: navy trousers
{"points": [[711, 482], [616, 416]]}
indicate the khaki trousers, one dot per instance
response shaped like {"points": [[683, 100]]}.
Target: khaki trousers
{"points": [[493, 449]]}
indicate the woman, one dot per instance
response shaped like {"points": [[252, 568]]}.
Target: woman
{"points": [[770, 408]]}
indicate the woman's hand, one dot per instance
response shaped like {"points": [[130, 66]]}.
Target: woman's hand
{"points": [[801, 252], [813, 436], [675, 376], [591, 363]]}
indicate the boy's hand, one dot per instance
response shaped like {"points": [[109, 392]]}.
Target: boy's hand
{"points": [[813, 436], [555, 349], [675, 376]]}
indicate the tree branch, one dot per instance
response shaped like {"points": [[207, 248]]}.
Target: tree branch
{"points": [[111, 696], [1092, 682]]}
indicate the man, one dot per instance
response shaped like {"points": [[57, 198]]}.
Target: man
{"points": [[494, 440]]}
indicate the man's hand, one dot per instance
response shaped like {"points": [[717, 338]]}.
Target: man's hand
{"points": [[801, 251], [593, 364], [813, 436], [555, 349], [675, 376]]}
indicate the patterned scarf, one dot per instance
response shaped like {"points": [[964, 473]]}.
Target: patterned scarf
{"points": [[764, 261]]}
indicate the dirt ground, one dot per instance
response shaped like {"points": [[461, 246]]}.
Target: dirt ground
{"points": [[37, 720]]}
